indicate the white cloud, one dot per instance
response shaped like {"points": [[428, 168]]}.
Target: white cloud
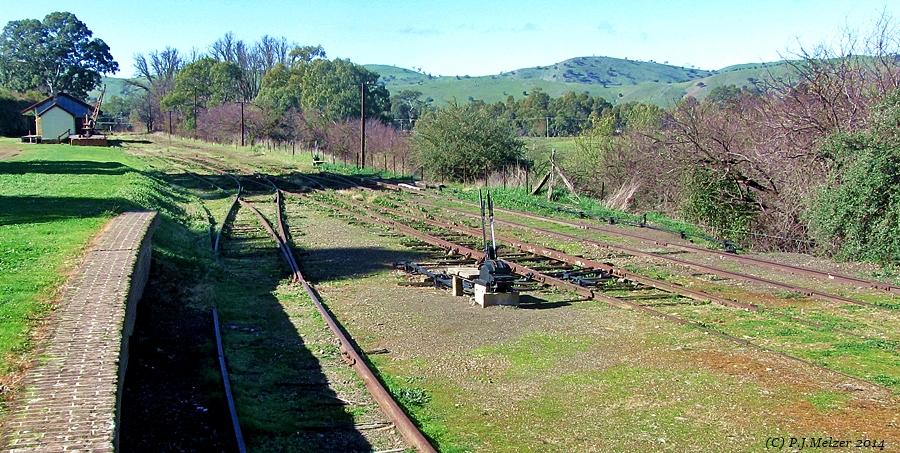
{"points": [[420, 31], [606, 27]]}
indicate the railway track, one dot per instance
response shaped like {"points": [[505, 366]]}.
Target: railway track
{"points": [[441, 214], [441, 211], [545, 266], [243, 231], [579, 266], [833, 277], [665, 292], [681, 246]]}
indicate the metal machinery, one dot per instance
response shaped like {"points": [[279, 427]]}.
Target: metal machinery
{"points": [[494, 274], [90, 122]]}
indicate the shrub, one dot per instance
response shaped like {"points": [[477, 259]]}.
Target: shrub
{"points": [[462, 142], [720, 203], [857, 212]]}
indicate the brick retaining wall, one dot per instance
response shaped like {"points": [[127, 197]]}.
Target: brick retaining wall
{"points": [[70, 401]]}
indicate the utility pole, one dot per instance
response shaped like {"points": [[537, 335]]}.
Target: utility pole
{"points": [[362, 127]]}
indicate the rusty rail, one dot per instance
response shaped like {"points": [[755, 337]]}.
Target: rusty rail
{"points": [[404, 425], [612, 270], [229, 397], [799, 270], [696, 266], [562, 284]]}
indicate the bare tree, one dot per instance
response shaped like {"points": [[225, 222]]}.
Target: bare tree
{"points": [[254, 59], [155, 77], [760, 155]]}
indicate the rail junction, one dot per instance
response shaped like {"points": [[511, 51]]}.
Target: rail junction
{"points": [[587, 260]]}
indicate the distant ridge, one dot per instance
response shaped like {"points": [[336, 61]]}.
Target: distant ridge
{"points": [[614, 79]]}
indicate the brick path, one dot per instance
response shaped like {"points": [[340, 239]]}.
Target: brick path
{"points": [[69, 401]]}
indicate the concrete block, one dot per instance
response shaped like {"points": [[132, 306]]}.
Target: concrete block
{"points": [[457, 285], [486, 299]]}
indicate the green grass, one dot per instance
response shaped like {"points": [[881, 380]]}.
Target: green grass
{"points": [[646, 404], [601, 76], [535, 352], [566, 207], [644, 407], [873, 360], [827, 401], [654, 409], [425, 401], [53, 200]]}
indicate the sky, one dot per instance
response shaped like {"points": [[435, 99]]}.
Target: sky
{"points": [[474, 37]]}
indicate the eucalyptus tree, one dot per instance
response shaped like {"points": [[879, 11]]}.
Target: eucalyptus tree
{"points": [[256, 59], [54, 55], [333, 88], [407, 106]]}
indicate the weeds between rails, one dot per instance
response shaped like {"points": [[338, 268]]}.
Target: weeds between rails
{"points": [[582, 263], [405, 427], [344, 182], [441, 218], [595, 312], [622, 302], [799, 270], [459, 249], [703, 326]]}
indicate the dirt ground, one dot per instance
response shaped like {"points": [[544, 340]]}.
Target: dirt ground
{"points": [[556, 374], [8, 151], [449, 345]]}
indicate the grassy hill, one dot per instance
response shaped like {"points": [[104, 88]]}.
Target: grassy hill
{"points": [[616, 80], [115, 86]]}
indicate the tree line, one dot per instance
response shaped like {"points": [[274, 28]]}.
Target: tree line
{"points": [[807, 160]]}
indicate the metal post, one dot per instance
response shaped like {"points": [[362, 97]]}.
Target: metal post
{"points": [[362, 128], [493, 255], [483, 227]]}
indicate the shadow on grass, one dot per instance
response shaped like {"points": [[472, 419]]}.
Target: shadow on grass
{"points": [[338, 263], [36, 209], [171, 400], [206, 183], [283, 396], [530, 302], [117, 142], [63, 167]]}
